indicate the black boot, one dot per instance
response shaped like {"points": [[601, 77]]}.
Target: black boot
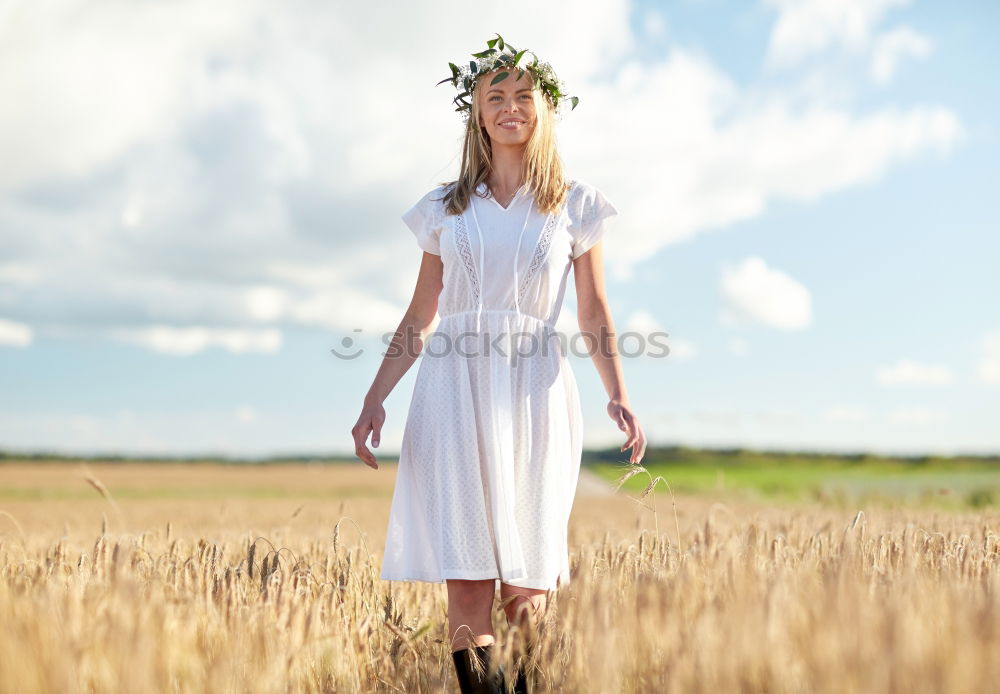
{"points": [[521, 676], [473, 677], [521, 681]]}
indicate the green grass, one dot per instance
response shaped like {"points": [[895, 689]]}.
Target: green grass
{"points": [[835, 479], [965, 482]]}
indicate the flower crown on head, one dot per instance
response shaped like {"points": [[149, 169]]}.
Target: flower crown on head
{"points": [[502, 55]]}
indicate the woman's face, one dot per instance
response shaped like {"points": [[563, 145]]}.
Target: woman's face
{"points": [[507, 108]]}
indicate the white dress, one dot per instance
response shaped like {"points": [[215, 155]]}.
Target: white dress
{"points": [[492, 443]]}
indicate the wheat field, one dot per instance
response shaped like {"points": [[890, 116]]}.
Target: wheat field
{"points": [[221, 578]]}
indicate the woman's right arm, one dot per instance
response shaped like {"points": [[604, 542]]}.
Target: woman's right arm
{"points": [[406, 345]]}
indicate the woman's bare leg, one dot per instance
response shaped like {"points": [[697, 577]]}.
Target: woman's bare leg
{"points": [[524, 608], [470, 613], [522, 604]]}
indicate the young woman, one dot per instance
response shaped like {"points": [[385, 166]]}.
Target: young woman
{"points": [[492, 444]]}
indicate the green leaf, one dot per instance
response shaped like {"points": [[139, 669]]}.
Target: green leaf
{"points": [[498, 78], [575, 101], [454, 69], [517, 58], [491, 43], [500, 41], [473, 67], [446, 79]]}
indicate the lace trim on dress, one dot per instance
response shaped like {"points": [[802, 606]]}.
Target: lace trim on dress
{"points": [[538, 259], [465, 252]]}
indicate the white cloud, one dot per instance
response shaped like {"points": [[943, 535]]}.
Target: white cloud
{"points": [[77, 79], [20, 274], [918, 415], [247, 414], [643, 322], [739, 347], [183, 200], [133, 212], [989, 363], [712, 154], [655, 24], [338, 300], [911, 372], [179, 200], [182, 341], [847, 413], [681, 349], [14, 334], [753, 292], [193, 430], [266, 302], [805, 27], [894, 45]]}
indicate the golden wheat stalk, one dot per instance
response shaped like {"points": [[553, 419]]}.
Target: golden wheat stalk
{"points": [[92, 480]]}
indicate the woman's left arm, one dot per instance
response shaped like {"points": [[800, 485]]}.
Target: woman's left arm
{"points": [[597, 327]]}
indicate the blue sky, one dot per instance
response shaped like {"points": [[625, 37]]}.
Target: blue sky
{"points": [[197, 203]]}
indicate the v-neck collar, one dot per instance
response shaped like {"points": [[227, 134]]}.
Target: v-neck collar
{"points": [[483, 188]]}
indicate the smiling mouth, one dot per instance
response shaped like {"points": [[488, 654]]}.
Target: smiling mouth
{"points": [[511, 123]]}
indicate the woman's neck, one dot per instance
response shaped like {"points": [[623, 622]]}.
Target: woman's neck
{"points": [[507, 166]]}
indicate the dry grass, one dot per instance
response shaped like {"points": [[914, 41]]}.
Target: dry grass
{"points": [[237, 594]]}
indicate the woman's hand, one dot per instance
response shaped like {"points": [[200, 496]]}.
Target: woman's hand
{"points": [[371, 420], [626, 420]]}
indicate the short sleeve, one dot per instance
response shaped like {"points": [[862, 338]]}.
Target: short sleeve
{"points": [[424, 220], [592, 210]]}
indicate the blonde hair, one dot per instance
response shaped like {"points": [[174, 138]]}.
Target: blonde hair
{"points": [[542, 168]]}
